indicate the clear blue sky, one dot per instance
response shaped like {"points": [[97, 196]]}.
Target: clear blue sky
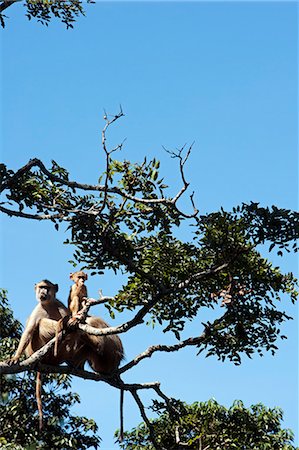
{"points": [[221, 74]]}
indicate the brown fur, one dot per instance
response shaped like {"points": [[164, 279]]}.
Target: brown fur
{"points": [[78, 292], [103, 353]]}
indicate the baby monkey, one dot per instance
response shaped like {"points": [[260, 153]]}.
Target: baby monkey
{"points": [[78, 293]]}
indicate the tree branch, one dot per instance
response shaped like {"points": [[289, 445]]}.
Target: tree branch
{"points": [[6, 4], [138, 318], [147, 421], [75, 185], [162, 348], [23, 215], [108, 153], [182, 162]]}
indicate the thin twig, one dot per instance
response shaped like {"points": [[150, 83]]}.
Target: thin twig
{"points": [[163, 348]]}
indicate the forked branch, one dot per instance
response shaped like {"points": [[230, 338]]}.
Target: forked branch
{"points": [[102, 188]]}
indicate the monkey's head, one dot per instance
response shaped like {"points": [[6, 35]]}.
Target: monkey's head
{"points": [[79, 277], [45, 291]]}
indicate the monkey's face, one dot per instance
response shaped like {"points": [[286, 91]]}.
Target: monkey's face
{"points": [[45, 291], [80, 280]]}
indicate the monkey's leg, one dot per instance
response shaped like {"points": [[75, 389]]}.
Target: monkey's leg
{"points": [[106, 351], [45, 331]]}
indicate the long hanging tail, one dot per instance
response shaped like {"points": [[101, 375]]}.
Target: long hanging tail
{"points": [[38, 394], [59, 328], [121, 432]]}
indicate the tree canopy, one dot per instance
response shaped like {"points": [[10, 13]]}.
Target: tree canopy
{"points": [[127, 223], [210, 426]]}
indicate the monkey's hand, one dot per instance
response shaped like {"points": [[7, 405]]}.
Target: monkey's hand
{"points": [[90, 300], [75, 320], [14, 360]]}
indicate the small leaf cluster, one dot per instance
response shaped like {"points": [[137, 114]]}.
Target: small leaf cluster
{"points": [[208, 425], [278, 226], [34, 190], [137, 178], [43, 11]]}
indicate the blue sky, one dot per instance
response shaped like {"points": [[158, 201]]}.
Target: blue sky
{"points": [[221, 74]]}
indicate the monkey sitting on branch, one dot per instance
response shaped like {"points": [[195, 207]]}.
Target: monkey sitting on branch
{"points": [[78, 292], [103, 353]]}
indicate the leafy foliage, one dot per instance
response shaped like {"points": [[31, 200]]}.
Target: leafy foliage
{"points": [[18, 416], [210, 426], [129, 224], [44, 10]]}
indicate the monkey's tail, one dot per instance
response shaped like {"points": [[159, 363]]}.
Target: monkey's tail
{"points": [[121, 432], [60, 327], [38, 394]]}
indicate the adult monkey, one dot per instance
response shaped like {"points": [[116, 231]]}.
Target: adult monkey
{"points": [[41, 327], [103, 353], [42, 324]]}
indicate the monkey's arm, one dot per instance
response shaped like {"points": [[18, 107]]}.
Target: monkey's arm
{"points": [[25, 338], [74, 305]]}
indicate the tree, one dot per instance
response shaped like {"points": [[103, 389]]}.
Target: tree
{"points": [[18, 418], [127, 223], [44, 10], [210, 426]]}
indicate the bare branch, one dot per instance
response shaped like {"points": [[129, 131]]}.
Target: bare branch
{"points": [[182, 162], [163, 348], [147, 421], [108, 153]]}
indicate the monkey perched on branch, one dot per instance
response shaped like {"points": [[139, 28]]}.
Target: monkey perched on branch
{"points": [[42, 324], [103, 353], [78, 292], [41, 327]]}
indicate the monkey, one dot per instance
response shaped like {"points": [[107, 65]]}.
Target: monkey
{"points": [[41, 327], [109, 347], [42, 322], [103, 353], [78, 292]]}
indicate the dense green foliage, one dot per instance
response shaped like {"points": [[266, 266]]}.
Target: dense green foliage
{"points": [[18, 410], [129, 224], [210, 426]]}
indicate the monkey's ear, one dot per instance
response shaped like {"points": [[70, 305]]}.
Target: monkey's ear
{"points": [[86, 276], [71, 275], [56, 287]]}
